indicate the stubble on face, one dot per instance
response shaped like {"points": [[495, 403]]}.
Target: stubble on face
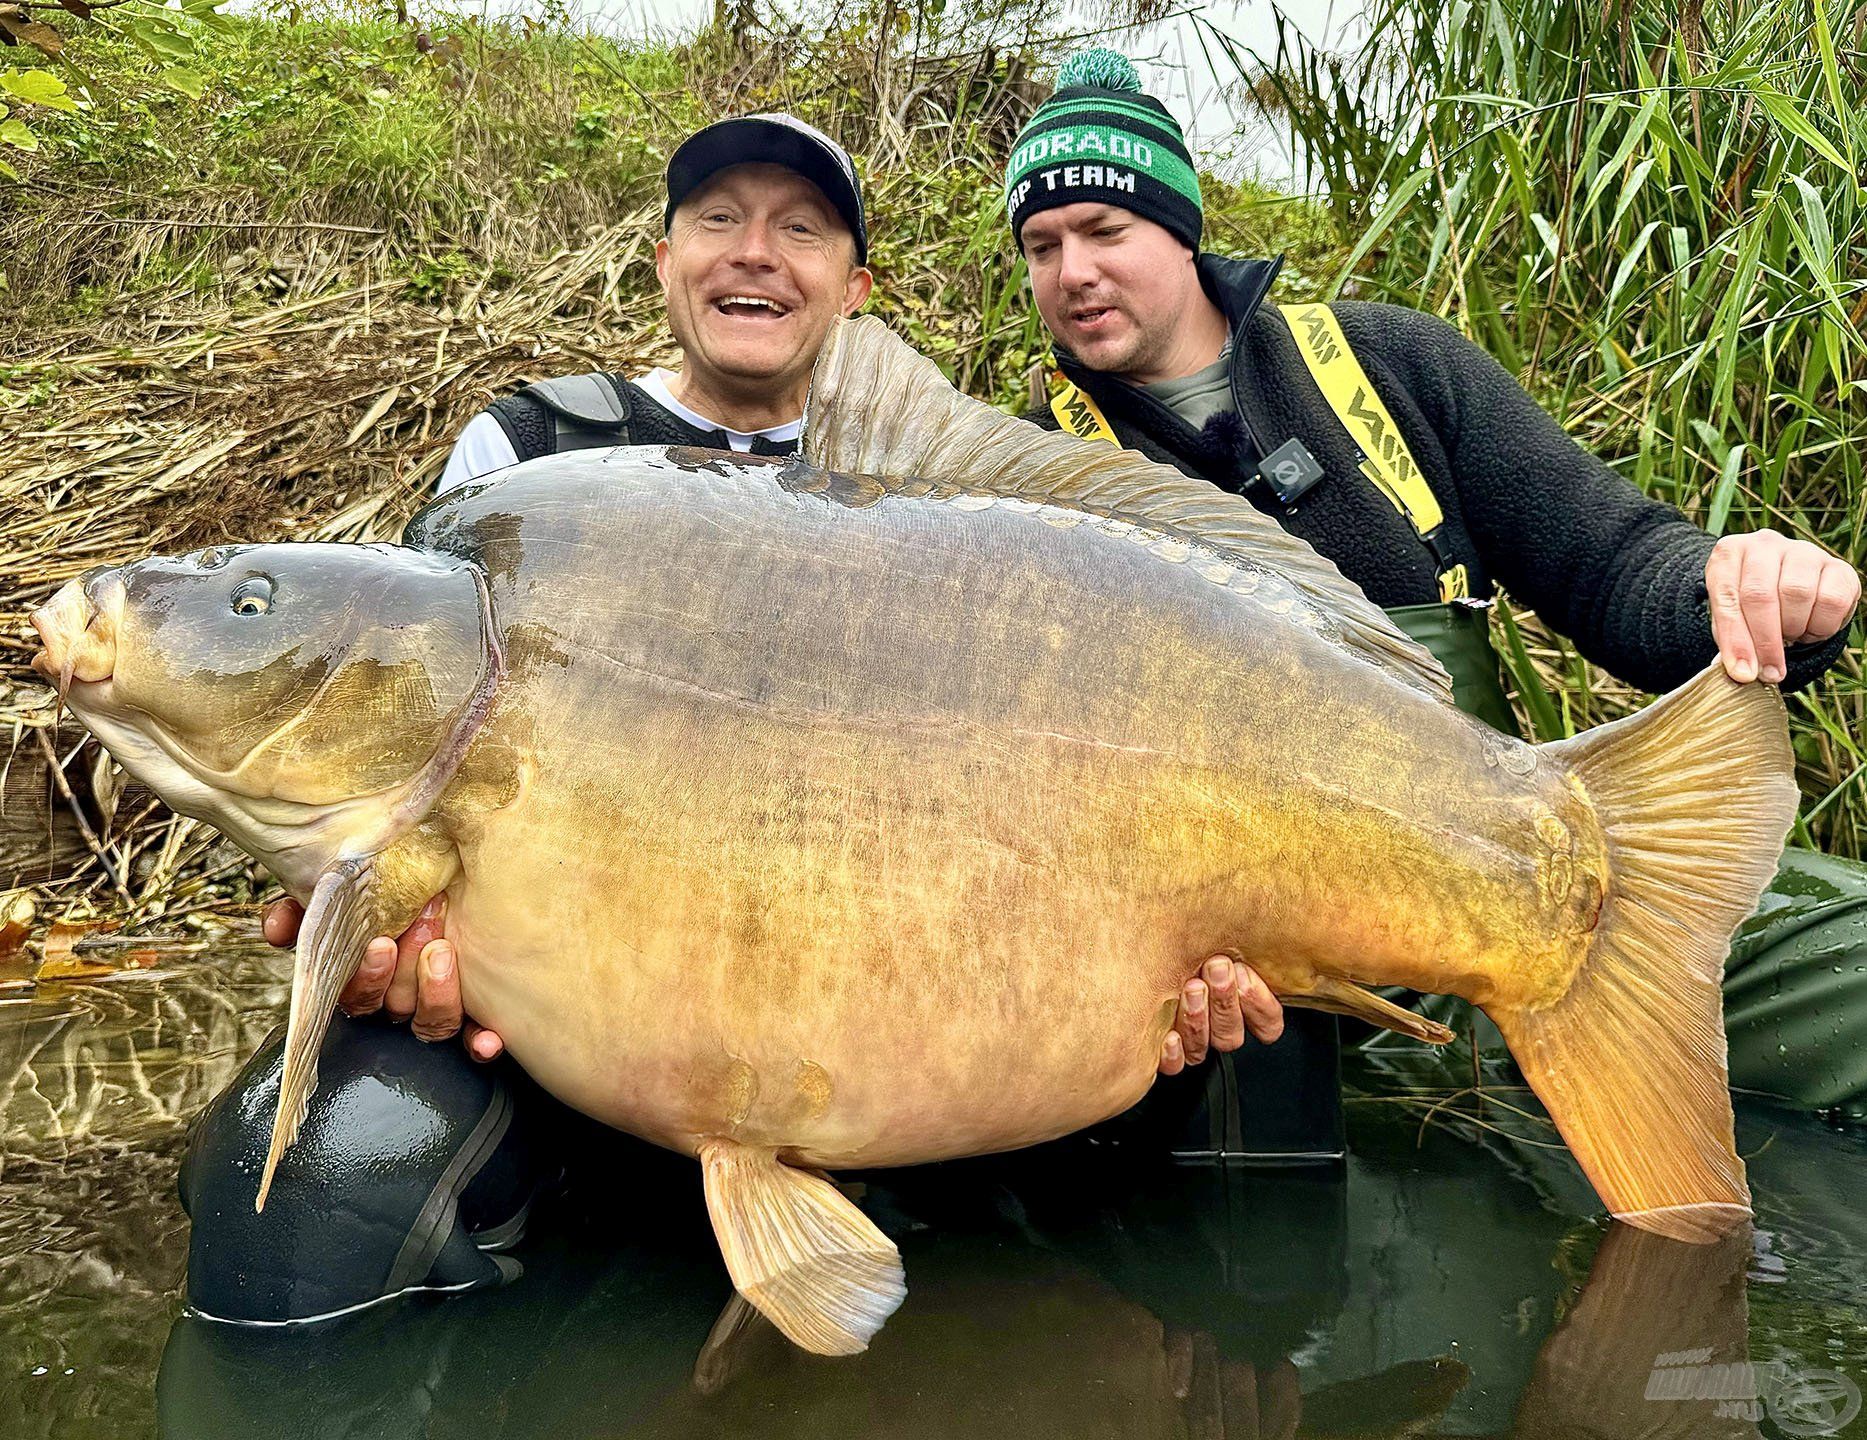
{"points": [[1115, 289]]}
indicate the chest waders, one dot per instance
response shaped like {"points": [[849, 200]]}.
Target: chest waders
{"points": [[1795, 983]]}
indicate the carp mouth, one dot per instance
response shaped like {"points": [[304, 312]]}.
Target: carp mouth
{"points": [[78, 631]]}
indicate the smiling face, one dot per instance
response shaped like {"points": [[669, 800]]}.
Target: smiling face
{"points": [[756, 266], [1118, 290]]}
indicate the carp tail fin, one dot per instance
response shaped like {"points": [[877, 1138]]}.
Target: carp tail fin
{"points": [[802, 1253], [1695, 795]]}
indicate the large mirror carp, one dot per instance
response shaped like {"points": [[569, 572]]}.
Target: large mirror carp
{"points": [[777, 804]]}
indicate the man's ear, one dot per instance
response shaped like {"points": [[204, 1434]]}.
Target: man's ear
{"points": [[661, 263], [856, 289]]}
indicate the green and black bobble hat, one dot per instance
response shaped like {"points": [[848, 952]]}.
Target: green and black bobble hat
{"points": [[1101, 138]]}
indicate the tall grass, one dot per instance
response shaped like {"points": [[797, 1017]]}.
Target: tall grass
{"points": [[1654, 214]]}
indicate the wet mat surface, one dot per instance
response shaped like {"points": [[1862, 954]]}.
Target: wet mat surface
{"points": [[1448, 1284]]}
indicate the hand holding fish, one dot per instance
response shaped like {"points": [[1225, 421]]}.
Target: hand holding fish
{"points": [[412, 976], [1768, 591], [1218, 1007]]}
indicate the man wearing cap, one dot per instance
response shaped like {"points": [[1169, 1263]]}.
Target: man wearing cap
{"points": [[429, 1162], [765, 245], [416, 1167], [1414, 461]]}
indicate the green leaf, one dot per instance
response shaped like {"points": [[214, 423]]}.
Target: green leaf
{"points": [[1551, 242], [159, 39], [1499, 24], [1786, 113], [191, 83], [1634, 254], [1731, 308], [8, 171], [1643, 461], [1605, 176], [1831, 72], [1390, 212], [1630, 190], [1721, 497], [1710, 439], [1816, 240], [1545, 723], [17, 134], [37, 87], [1681, 245]]}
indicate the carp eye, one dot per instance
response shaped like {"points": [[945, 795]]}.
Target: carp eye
{"points": [[252, 596]]}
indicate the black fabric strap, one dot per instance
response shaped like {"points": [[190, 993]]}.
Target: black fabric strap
{"points": [[582, 412]]}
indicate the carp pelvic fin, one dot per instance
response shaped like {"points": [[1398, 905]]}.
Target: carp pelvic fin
{"points": [[1339, 997], [1695, 795], [879, 407], [337, 927], [813, 1264]]}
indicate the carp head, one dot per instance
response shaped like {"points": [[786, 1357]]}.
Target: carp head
{"points": [[287, 694], [310, 701]]}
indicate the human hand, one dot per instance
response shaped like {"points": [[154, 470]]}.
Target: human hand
{"points": [[1768, 591], [1218, 1007], [415, 977]]}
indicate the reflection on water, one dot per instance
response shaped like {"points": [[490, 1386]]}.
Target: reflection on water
{"points": [[98, 1080], [1444, 1288]]}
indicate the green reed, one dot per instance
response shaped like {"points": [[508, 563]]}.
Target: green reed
{"points": [[1654, 215]]}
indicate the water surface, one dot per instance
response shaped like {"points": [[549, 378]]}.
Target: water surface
{"points": [[1451, 1282]]}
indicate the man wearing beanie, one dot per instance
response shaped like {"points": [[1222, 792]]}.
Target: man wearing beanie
{"points": [[1411, 459]]}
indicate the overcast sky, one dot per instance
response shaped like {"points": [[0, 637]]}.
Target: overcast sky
{"points": [[1177, 58]]}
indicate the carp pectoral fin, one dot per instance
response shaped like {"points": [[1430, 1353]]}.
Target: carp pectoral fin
{"points": [[813, 1264], [1339, 997], [337, 927]]}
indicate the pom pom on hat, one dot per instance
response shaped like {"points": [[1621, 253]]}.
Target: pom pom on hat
{"points": [[1101, 138], [1104, 69]]}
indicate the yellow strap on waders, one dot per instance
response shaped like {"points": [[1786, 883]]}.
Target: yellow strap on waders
{"points": [[1077, 413], [1385, 459]]}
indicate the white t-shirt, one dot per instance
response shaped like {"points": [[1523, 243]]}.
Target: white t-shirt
{"points": [[483, 446]]}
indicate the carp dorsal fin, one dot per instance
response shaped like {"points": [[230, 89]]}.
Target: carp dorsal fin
{"points": [[878, 407]]}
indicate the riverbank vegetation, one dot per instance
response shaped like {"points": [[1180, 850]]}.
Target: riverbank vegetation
{"points": [[1654, 215], [258, 299]]}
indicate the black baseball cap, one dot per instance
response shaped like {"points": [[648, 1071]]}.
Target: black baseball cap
{"points": [[771, 139]]}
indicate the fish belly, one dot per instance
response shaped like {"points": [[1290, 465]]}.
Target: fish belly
{"points": [[876, 992], [886, 833], [870, 950]]}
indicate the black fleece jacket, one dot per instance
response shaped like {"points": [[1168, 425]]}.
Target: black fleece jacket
{"points": [[1527, 509]]}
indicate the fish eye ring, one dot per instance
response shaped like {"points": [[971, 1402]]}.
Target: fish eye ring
{"points": [[253, 595]]}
